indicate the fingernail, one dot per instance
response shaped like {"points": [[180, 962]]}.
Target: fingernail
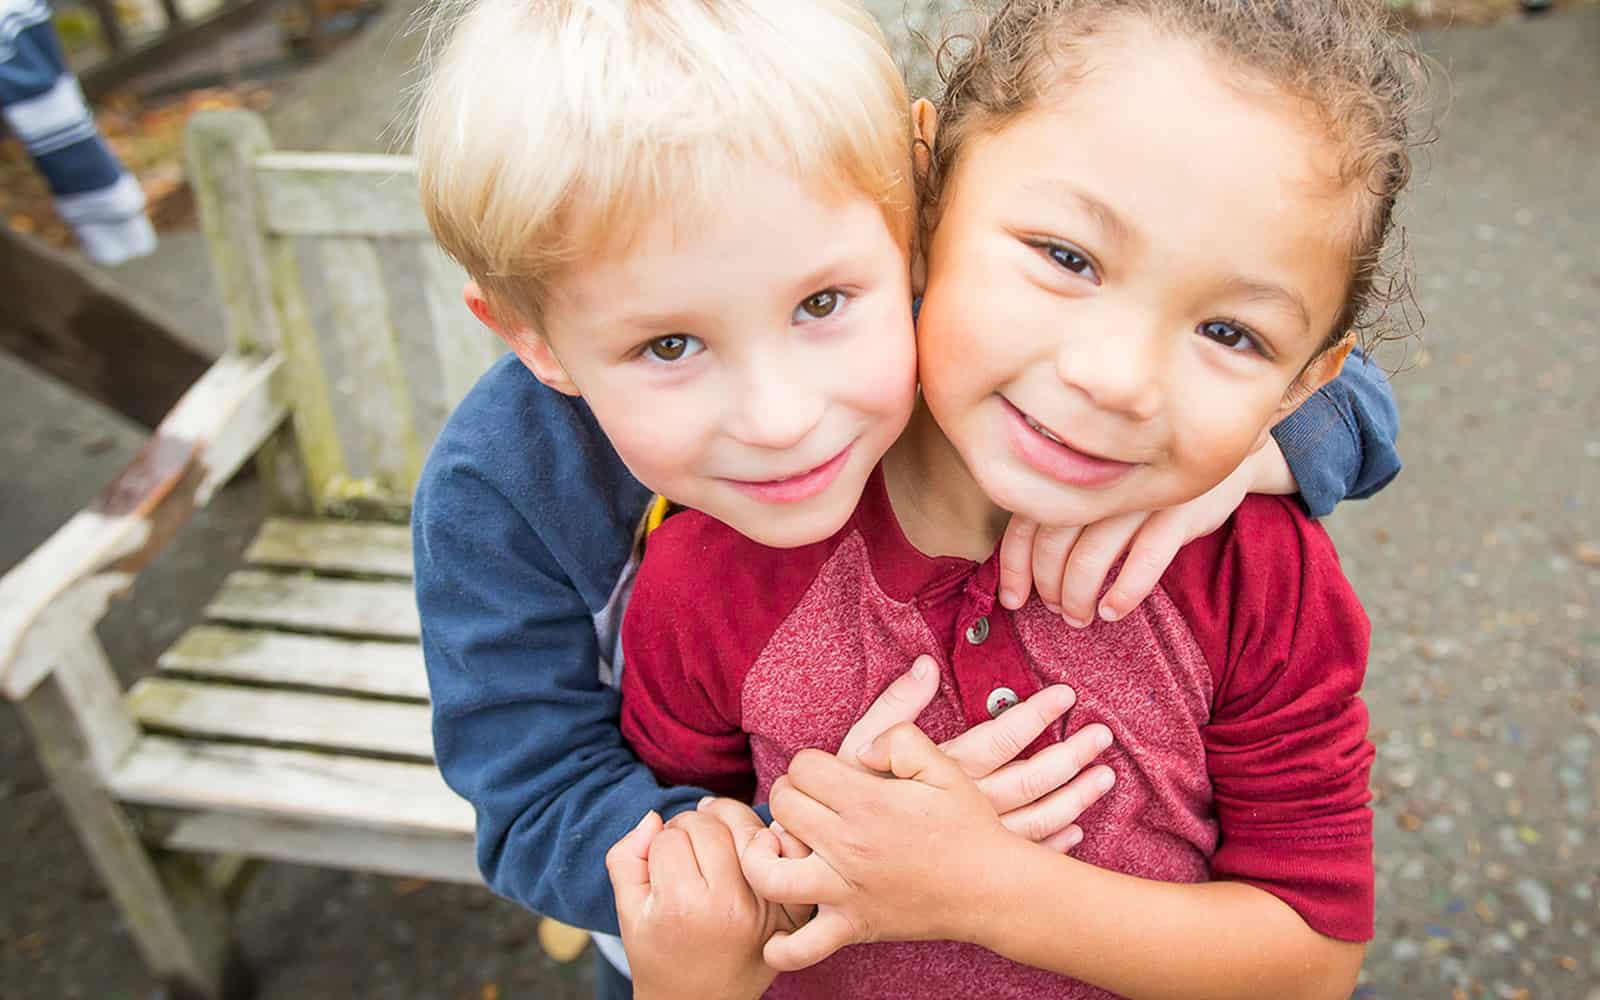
{"points": [[1009, 600], [1054, 609], [1075, 623], [1102, 738], [643, 820], [1109, 613], [1074, 838], [919, 669], [863, 750], [1105, 780], [707, 800]]}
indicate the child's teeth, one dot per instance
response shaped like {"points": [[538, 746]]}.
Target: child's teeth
{"points": [[1035, 425]]}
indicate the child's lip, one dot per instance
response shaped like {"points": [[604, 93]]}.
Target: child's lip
{"points": [[1049, 453], [801, 486]]}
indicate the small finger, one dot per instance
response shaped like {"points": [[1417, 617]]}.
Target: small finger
{"points": [[1100, 545], [986, 747], [1063, 841], [1154, 548], [902, 701], [731, 813], [1062, 807], [791, 845], [906, 752], [628, 864], [825, 934], [789, 881], [673, 871], [1016, 562], [1025, 781], [803, 816], [714, 852], [1051, 547]]}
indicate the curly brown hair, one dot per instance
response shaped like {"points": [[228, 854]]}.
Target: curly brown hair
{"points": [[1349, 59]]}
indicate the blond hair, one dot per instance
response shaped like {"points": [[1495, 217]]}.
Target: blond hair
{"points": [[1349, 59], [549, 131]]}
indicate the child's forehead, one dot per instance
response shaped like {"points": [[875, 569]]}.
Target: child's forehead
{"points": [[767, 230]]}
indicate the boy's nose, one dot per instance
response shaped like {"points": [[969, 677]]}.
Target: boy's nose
{"points": [[776, 410]]}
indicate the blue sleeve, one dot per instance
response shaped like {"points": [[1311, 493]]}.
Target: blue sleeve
{"points": [[524, 729], [1340, 443]]}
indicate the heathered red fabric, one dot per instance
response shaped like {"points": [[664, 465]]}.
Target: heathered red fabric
{"points": [[1240, 743]]}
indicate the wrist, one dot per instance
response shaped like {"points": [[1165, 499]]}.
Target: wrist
{"points": [[989, 889], [1269, 471]]}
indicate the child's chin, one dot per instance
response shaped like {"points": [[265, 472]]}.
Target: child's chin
{"points": [[789, 529]]}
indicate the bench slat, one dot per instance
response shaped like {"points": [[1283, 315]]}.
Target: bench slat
{"points": [[340, 195], [444, 859], [373, 390], [294, 785], [466, 347], [334, 546], [309, 604], [297, 718], [384, 669]]}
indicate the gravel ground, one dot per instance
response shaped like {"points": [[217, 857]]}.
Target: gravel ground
{"points": [[1480, 569]]}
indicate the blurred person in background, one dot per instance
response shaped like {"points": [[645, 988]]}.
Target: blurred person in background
{"points": [[44, 107]]}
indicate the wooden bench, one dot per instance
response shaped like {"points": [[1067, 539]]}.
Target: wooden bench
{"points": [[292, 722]]}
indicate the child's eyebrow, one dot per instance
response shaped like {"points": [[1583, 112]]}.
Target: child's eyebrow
{"points": [[1251, 288], [1070, 197]]}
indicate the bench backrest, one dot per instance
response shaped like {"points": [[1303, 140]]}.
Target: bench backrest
{"points": [[327, 259]]}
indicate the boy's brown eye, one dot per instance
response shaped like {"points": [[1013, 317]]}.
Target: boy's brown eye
{"points": [[669, 348], [821, 305]]}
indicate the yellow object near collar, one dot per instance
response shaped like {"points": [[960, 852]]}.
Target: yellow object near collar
{"points": [[659, 508]]}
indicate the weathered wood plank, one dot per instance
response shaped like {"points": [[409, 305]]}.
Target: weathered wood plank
{"points": [[444, 859], [94, 695], [179, 928], [291, 784], [308, 604], [384, 669], [352, 195], [219, 147], [289, 718], [306, 386], [334, 546], [374, 390], [466, 348], [72, 577]]}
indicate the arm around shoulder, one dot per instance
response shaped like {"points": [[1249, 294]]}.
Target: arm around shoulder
{"points": [[1341, 442], [524, 729]]}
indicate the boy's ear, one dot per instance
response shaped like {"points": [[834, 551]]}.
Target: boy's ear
{"points": [[1324, 368], [528, 344]]}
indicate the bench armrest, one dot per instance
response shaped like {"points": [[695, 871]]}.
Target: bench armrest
{"points": [[63, 588]]}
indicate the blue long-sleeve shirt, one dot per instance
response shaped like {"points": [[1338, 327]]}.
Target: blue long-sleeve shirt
{"points": [[525, 526]]}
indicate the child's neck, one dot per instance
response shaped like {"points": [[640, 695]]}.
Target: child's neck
{"points": [[940, 507]]}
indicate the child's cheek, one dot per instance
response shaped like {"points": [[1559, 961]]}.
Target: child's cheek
{"points": [[882, 379]]}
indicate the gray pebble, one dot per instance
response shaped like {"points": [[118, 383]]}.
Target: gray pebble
{"points": [[1535, 896]]}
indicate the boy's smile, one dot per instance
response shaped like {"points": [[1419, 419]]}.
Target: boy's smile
{"points": [[754, 365], [1125, 284]]}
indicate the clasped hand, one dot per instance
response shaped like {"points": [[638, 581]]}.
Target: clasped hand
{"points": [[883, 840]]}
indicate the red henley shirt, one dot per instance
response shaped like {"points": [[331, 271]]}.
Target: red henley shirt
{"points": [[1232, 694]]}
